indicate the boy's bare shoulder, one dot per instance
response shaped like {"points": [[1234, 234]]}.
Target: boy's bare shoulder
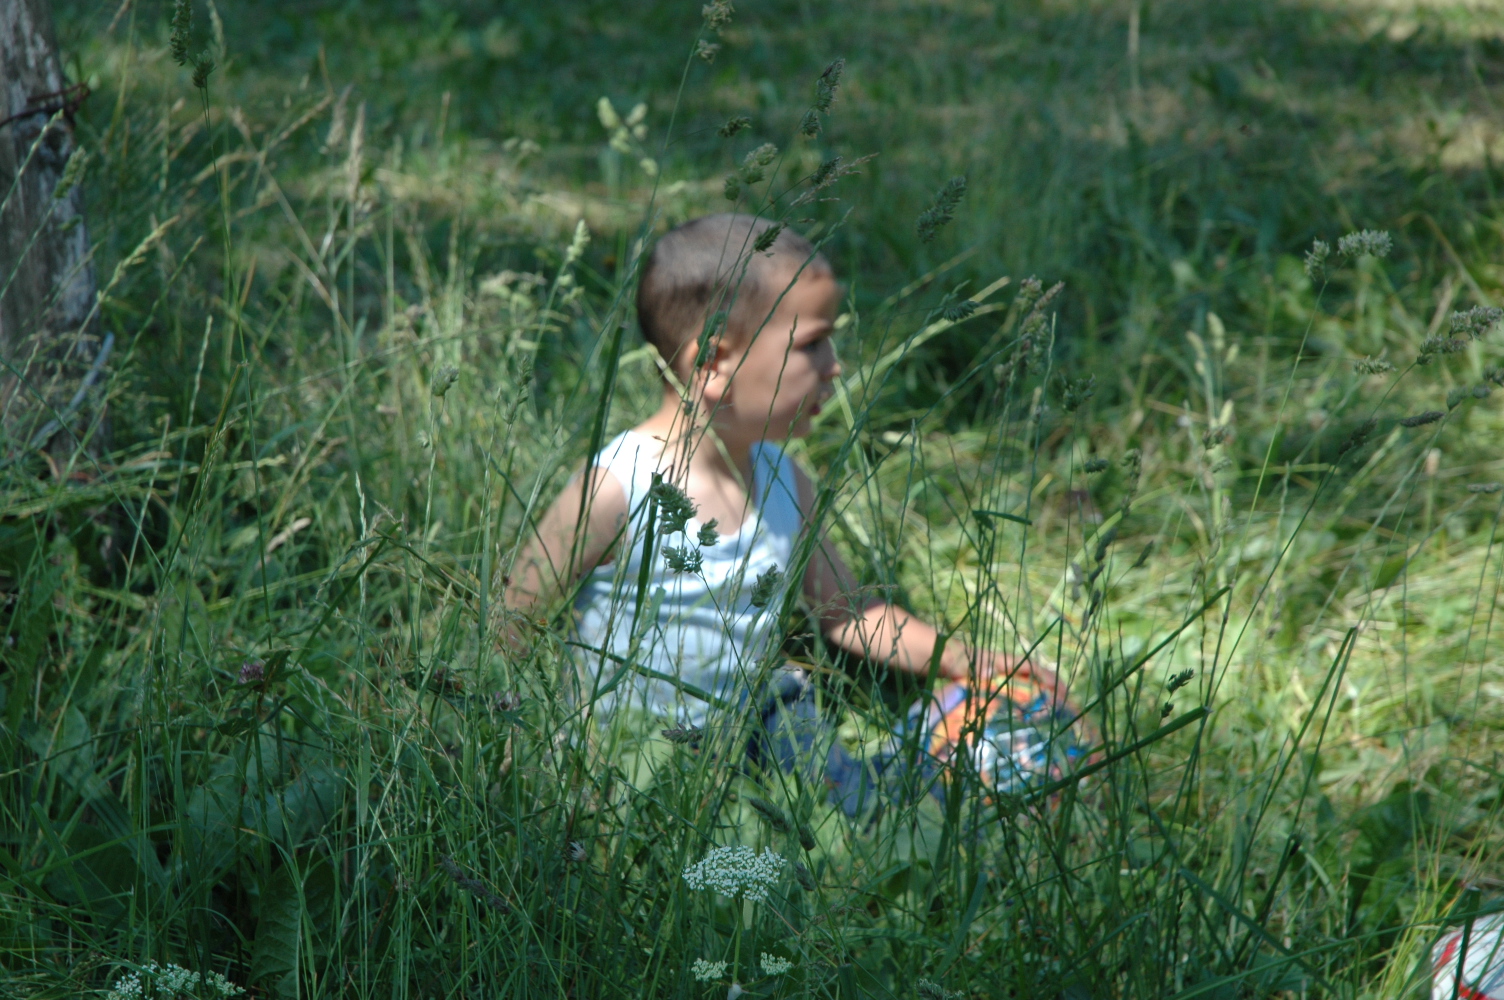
{"points": [[607, 506], [604, 501]]}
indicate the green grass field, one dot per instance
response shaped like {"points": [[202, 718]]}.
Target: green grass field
{"points": [[258, 719]]}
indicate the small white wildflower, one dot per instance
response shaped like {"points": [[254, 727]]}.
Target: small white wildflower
{"points": [[1375, 242], [172, 982], [126, 988], [774, 965], [222, 986], [733, 871], [705, 972], [176, 980]]}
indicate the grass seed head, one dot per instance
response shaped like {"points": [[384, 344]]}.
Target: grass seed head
{"points": [[73, 172], [717, 14], [763, 590], [1095, 465], [809, 125], [1075, 392], [1029, 291], [674, 508], [1038, 315], [1366, 242], [683, 735], [1316, 258], [767, 238], [443, 380], [942, 210], [473, 886], [685, 559], [1443, 345], [754, 166], [771, 813], [825, 87], [1421, 419], [202, 67], [606, 112], [707, 50], [1474, 323], [1374, 366], [577, 243], [955, 312], [733, 126], [182, 31], [1485, 487], [1358, 437]]}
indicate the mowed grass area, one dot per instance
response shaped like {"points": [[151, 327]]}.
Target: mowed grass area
{"points": [[257, 717]]}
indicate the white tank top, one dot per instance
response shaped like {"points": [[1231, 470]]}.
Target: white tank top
{"points": [[698, 628]]}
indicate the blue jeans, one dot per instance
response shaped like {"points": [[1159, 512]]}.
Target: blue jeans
{"points": [[795, 736], [1020, 746]]}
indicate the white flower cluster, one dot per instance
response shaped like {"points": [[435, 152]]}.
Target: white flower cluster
{"points": [[170, 983], [775, 965], [705, 971], [733, 871]]}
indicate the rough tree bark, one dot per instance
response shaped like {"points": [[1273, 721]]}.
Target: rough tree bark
{"points": [[51, 352]]}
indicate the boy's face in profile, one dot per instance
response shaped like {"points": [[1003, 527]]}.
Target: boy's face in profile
{"points": [[779, 380]]}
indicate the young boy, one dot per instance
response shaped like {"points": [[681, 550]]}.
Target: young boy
{"points": [[746, 337]]}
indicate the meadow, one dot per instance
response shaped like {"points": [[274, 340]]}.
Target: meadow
{"points": [[370, 280]]}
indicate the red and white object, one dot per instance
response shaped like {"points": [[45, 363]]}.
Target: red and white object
{"points": [[1482, 968]]}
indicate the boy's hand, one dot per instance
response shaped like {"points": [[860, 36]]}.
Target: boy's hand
{"points": [[990, 664]]}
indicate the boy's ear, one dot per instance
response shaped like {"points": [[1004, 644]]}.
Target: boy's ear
{"points": [[717, 368]]}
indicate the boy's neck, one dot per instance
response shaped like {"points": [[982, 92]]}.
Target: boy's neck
{"points": [[694, 441]]}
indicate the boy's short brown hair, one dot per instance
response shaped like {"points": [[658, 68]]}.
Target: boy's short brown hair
{"points": [[708, 265]]}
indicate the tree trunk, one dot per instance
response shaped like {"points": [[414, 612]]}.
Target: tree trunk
{"points": [[47, 293]]}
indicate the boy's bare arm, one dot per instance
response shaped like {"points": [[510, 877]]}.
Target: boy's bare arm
{"points": [[880, 630], [557, 555]]}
